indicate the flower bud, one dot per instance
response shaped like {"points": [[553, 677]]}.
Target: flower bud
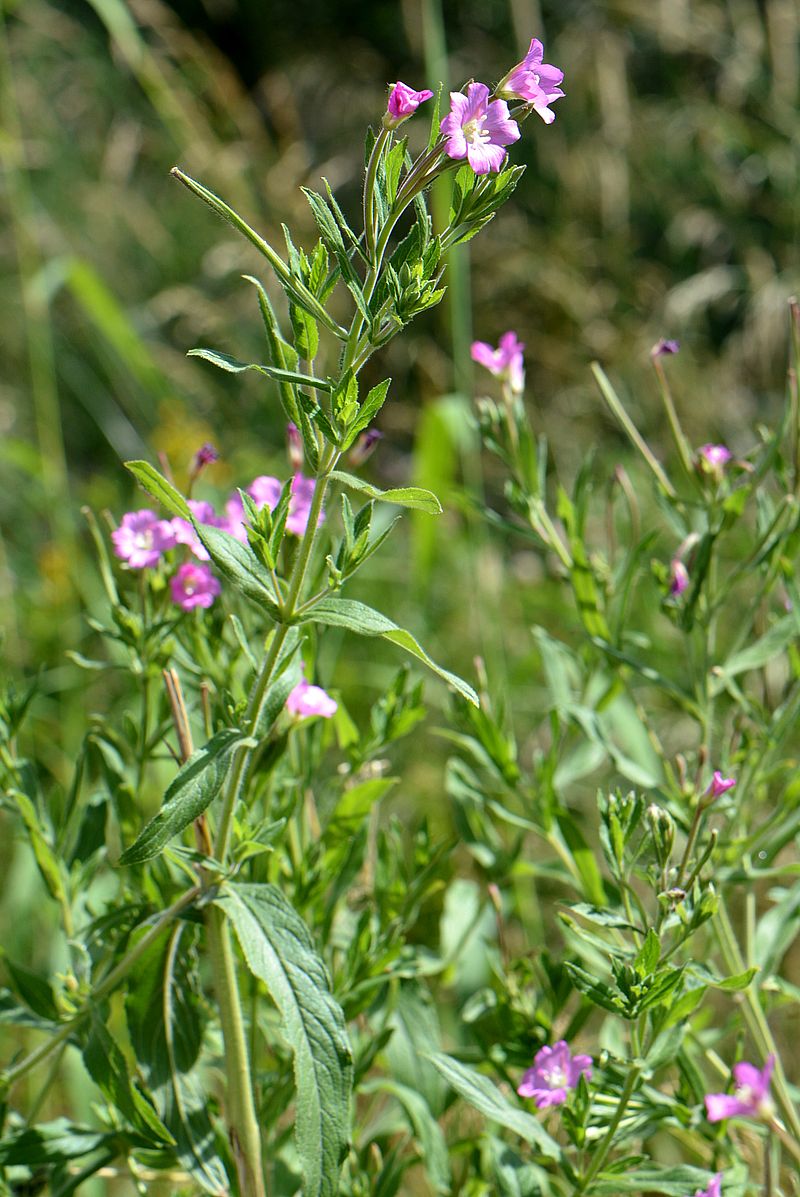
{"points": [[403, 103], [365, 446], [295, 446]]}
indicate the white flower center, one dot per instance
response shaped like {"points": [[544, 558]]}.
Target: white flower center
{"points": [[143, 540], [475, 133], [555, 1076]]}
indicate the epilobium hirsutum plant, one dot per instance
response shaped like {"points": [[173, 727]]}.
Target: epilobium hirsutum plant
{"points": [[248, 880]]}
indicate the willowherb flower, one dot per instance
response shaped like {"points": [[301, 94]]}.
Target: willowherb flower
{"points": [[403, 103], [678, 577], [205, 455], [534, 81], [719, 785], [141, 538], [294, 443], [193, 586], [661, 347], [505, 362], [300, 505], [306, 700], [750, 1098], [711, 461], [265, 491], [477, 129], [555, 1070], [713, 1190]]}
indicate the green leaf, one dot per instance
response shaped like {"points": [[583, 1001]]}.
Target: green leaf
{"points": [[239, 564], [584, 858], [48, 862], [479, 1091], [671, 1182], [106, 1066], [190, 792], [162, 1008], [367, 412], [50, 1143], [426, 1130], [325, 220], [365, 621], [225, 362], [156, 485], [278, 950], [649, 954], [756, 655], [404, 496], [35, 991], [294, 287]]}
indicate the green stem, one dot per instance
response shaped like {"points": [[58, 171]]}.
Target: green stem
{"points": [[369, 191], [607, 1142], [243, 1128], [756, 1019]]}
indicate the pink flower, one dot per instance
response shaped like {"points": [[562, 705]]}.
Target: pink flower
{"points": [[714, 455], [505, 362], [534, 81], [306, 700], [365, 446], [554, 1071], [205, 455], [300, 505], [678, 577], [661, 347], [713, 1189], [403, 103], [141, 538], [266, 491], [750, 1098], [477, 129], [234, 519], [295, 445], [719, 785], [193, 586]]}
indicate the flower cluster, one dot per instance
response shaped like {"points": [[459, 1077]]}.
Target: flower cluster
{"points": [[142, 539], [479, 126]]}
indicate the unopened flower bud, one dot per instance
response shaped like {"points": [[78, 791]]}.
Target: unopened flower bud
{"points": [[661, 347], [403, 103], [206, 455], [710, 462], [365, 446], [295, 446], [717, 787], [662, 828], [678, 577]]}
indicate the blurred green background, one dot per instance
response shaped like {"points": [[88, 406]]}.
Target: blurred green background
{"points": [[663, 201]]}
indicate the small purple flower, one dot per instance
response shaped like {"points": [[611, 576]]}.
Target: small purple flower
{"points": [[306, 700], [234, 518], [265, 491], [403, 103], [555, 1070], [661, 347], [477, 129], [193, 586], [678, 577], [714, 455], [141, 538], [714, 1188], [534, 81], [750, 1098], [205, 455], [505, 362], [184, 532]]}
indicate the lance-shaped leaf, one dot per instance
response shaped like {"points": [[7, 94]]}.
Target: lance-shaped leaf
{"points": [[479, 1091], [365, 621], [156, 485], [295, 287], [191, 791], [108, 1068], [367, 412], [225, 362], [278, 950], [403, 496], [239, 564]]}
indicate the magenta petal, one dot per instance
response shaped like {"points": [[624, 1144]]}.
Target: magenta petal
{"points": [[485, 158], [534, 56], [721, 1105], [477, 99]]}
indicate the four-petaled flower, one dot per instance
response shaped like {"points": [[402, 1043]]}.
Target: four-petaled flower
{"points": [[714, 1189], [477, 129], [750, 1098], [505, 361], [193, 586], [534, 81], [306, 700], [403, 103], [141, 538], [555, 1070]]}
